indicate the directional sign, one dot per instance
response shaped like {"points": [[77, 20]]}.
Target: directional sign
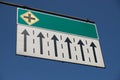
{"points": [[49, 36]]}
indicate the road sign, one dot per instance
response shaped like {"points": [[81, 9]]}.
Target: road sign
{"points": [[49, 36], [29, 18]]}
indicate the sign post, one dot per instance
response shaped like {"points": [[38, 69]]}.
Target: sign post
{"points": [[54, 37]]}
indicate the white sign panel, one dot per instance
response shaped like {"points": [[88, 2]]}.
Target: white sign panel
{"points": [[49, 44]]}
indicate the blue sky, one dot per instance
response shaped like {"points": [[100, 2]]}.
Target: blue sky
{"points": [[105, 13]]}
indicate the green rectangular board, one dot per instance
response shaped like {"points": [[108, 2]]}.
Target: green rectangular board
{"points": [[59, 23]]}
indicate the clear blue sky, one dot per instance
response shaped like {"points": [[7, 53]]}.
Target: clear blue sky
{"points": [[106, 14]]}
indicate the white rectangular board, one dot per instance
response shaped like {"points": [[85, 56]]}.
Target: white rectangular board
{"points": [[55, 45]]}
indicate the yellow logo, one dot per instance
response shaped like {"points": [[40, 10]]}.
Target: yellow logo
{"points": [[29, 18]]}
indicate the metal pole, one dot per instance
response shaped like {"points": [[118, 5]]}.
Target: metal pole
{"points": [[22, 6]]}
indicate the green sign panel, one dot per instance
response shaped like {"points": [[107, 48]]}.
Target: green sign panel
{"points": [[57, 23]]}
